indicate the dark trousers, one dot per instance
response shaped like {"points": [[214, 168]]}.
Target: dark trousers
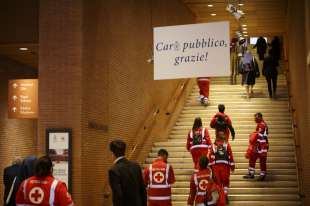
{"points": [[261, 56], [272, 84]]}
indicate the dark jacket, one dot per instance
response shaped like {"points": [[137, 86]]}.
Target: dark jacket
{"points": [[261, 45], [270, 67], [127, 184], [8, 177]]}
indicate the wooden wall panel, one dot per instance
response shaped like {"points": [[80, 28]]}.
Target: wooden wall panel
{"points": [[17, 136]]}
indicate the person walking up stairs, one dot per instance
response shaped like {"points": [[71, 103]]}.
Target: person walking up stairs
{"points": [[280, 187]]}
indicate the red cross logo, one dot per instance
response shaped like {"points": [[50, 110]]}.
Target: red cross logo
{"points": [[159, 177], [203, 184], [36, 195]]}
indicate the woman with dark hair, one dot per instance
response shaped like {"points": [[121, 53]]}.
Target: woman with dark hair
{"points": [[42, 188], [198, 141]]}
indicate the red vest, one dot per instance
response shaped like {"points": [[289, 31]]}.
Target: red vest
{"points": [[204, 142], [262, 138], [201, 180], [159, 189], [44, 192]]}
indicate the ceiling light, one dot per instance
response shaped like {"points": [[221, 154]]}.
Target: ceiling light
{"points": [[244, 25], [23, 49], [210, 5], [244, 28], [246, 35], [240, 4], [213, 14], [245, 32]]}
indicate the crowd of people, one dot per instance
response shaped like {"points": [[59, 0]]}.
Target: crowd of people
{"points": [[213, 163]]}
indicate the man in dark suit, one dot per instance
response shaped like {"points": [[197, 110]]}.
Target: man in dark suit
{"points": [[125, 177], [11, 181]]}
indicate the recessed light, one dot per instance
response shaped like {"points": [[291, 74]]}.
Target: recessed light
{"points": [[244, 25], [245, 32], [210, 5], [245, 28], [23, 49], [246, 35], [240, 4], [213, 14]]}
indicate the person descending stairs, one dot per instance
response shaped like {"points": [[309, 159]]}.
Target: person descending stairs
{"points": [[280, 187]]}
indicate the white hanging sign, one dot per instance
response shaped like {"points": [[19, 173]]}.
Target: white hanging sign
{"points": [[195, 50]]}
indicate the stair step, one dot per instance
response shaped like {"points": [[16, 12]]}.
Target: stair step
{"points": [[253, 190], [182, 143], [277, 136], [252, 203], [239, 159], [249, 184], [235, 153], [234, 177], [243, 171], [252, 197], [238, 165], [240, 148]]}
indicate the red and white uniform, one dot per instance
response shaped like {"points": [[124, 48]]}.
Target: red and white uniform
{"points": [[221, 166], [43, 191], [204, 87], [159, 176], [198, 187], [259, 143], [200, 149], [228, 121]]}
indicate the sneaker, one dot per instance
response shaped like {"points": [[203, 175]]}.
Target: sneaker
{"points": [[248, 176], [261, 178]]}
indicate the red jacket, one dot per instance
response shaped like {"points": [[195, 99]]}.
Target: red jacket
{"points": [[44, 191], [262, 144], [159, 176], [198, 186], [216, 158], [213, 187], [204, 143], [228, 121]]}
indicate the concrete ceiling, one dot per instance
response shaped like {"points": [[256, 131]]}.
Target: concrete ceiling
{"points": [[262, 17]]}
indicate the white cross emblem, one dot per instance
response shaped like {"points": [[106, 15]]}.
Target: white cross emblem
{"points": [[158, 177], [36, 195], [203, 184]]}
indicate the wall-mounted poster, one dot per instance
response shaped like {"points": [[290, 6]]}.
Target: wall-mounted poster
{"points": [[59, 149]]}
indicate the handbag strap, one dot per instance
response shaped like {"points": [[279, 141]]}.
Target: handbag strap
{"points": [[11, 191]]}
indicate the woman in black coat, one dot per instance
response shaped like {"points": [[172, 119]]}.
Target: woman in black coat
{"points": [[271, 73], [249, 69]]}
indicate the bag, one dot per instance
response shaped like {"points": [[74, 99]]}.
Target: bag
{"points": [[221, 123], [197, 138], [221, 152]]}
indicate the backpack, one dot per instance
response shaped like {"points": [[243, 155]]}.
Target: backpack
{"points": [[221, 152], [198, 137], [221, 123]]}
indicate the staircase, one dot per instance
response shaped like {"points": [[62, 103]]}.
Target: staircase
{"points": [[281, 185]]}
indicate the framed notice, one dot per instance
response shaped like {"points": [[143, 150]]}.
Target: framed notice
{"points": [[193, 50], [58, 147]]}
